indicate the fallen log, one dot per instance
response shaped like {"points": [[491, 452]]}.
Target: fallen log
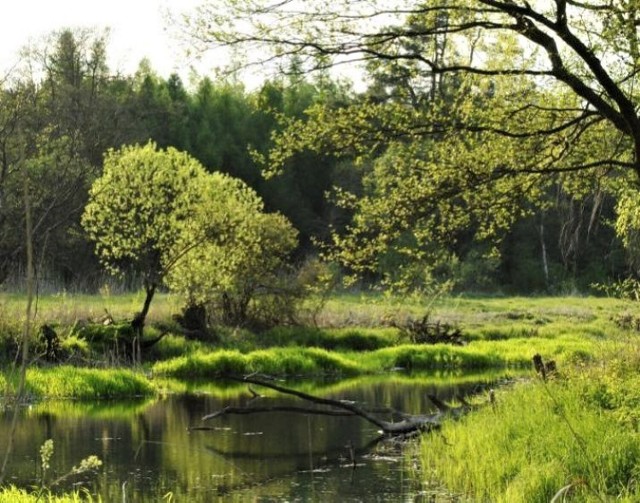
{"points": [[408, 423]]}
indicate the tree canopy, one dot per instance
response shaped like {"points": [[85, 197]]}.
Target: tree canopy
{"points": [[158, 214], [477, 109], [468, 153]]}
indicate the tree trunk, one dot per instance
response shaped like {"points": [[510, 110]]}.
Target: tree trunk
{"points": [[139, 320]]}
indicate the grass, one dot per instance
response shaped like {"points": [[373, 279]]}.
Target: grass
{"points": [[275, 361], [577, 432], [85, 383], [296, 361], [12, 494], [501, 333]]}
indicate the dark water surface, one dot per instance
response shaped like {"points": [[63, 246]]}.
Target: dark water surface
{"points": [[148, 451]]}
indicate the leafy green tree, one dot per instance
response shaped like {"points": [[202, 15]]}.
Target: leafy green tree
{"points": [[60, 110], [534, 93], [139, 211], [229, 274], [159, 214]]}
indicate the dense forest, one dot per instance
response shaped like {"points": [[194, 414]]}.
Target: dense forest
{"points": [[62, 109]]}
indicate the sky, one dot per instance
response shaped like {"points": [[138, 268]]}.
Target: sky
{"points": [[137, 30]]}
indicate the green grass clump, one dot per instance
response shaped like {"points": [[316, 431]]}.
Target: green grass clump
{"points": [[86, 383], [536, 440], [430, 357], [75, 345], [12, 494], [276, 361]]}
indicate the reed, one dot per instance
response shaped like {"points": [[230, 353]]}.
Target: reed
{"points": [[12, 494]]}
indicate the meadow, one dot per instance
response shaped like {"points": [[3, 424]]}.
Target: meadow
{"points": [[573, 435], [353, 335]]}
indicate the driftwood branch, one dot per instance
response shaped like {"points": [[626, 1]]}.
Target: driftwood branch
{"points": [[407, 425]]}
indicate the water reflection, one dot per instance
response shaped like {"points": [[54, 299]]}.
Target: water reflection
{"points": [[148, 451]]}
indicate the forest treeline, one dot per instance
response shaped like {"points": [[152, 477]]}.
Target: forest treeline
{"points": [[62, 108]]}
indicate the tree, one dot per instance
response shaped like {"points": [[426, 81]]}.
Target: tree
{"points": [[138, 212], [160, 215], [543, 90], [60, 109], [230, 274]]}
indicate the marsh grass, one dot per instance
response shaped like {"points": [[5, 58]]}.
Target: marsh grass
{"points": [[86, 383], [12, 494], [538, 439], [344, 339], [67, 309], [500, 332], [292, 361], [275, 361]]}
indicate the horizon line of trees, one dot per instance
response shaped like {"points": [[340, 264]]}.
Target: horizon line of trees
{"points": [[62, 109]]}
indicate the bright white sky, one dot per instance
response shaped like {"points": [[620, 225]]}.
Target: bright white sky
{"points": [[138, 29]]}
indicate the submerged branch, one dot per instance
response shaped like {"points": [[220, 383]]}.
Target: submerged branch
{"points": [[408, 424]]}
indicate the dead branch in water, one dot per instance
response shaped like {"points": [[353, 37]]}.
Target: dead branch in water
{"points": [[408, 424]]}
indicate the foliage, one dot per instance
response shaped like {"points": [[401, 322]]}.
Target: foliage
{"points": [[230, 272], [89, 464], [204, 235], [423, 159], [140, 207], [627, 226], [476, 114]]}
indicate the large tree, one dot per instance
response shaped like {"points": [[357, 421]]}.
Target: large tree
{"points": [[590, 48], [60, 109], [158, 214], [480, 105]]}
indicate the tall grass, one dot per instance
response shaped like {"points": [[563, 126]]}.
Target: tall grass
{"points": [[276, 361], [479, 355], [537, 439], [12, 494], [86, 383]]}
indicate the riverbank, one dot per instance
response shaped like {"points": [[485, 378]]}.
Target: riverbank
{"points": [[355, 338], [574, 433]]}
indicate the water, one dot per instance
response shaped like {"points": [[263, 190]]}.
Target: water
{"points": [[148, 451]]}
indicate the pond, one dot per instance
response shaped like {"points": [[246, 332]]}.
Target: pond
{"points": [[149, 452]]}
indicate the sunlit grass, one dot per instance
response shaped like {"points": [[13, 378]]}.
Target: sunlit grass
{"points": [[578, 430], [478, 355], [275, 361], [85, 383], [12, 494]]}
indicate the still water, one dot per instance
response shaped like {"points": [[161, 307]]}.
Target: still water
{"points": [[149, 452]]}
